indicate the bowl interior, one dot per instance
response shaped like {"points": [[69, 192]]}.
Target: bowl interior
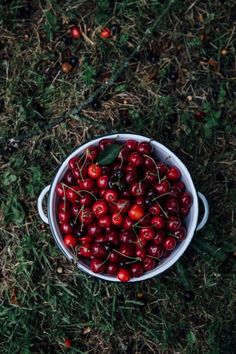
{"points": [[162, 153]]}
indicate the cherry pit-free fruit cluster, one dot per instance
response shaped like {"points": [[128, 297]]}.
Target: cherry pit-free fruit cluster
{"points": [[121, 209]]}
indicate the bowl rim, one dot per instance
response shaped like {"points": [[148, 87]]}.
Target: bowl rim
{"points": [[157, 270]]}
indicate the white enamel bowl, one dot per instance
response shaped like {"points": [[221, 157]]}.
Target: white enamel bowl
{"points": [[162, 153]]}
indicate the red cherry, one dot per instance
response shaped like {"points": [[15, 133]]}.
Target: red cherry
{"points": [[162, 168], [131, 144], [63, 216], [86, 216], [60, 190], [75, 32], [65, 228], [149, 163], [106, 170], [162, 187], [102, 181], [180, 234], [130, 168], [131, 177], [94, 171], [147, 233], [124, 153], [150, 176], [136, 270], [127, 250], [111, 195], [93, 229], [105, 33], [159, 237], [184, 211], [72, 194], [136, 212], [64, 206], [99, 208], [144, 148], [67, 342], [114, 257], [186, 200], [169, 243], [128, 223], [85, 250], [123, 275], [122, 205], [85, 199], [92, 153], [173, 174], [87, 184], [127, 236], [155, 250], [102, 192], [145, 221], [70, 240], [112, 237], [98, 250], [179, 186], [137, 189], [142, 241], [79, 172], [117, 218], [172, 206], [104, 221], [155, 209], [97, 266], [173, 223], [135, 159], [112, 269], [104, 143], [73, 163], [149, 263], [68, 178], [140, 252], [158, 221], [140, 201], [101, 239], [86, 239]]}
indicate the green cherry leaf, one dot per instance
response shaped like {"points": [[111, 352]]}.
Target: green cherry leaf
{"points": [[109, 154]]}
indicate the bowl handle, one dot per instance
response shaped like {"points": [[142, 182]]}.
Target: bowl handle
{"points": [[206, 212], [40, 204]]}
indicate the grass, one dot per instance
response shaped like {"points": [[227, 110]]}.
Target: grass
{"points": [[44, 299]]}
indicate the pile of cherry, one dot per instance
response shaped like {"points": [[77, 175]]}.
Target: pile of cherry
{"points": [[121, 209]]}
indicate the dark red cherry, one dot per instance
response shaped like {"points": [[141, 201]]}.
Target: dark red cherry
{"points": [[135, 159], [93, 229], [68, 178], [87, 184], [159, 237], [186, 200], [66, 228], [63, 216], [162, 168], [98, 250], [99, 208], [155, 250], [102, 181], [131, 177], [114, 257], [97, 266], [85, 199], [70, 240], [140, 252], [127, 236], [173, 223], [92, 153], [172, 206], [130, 168], [86, 216], [101, 239], [131, 144], [169, 243], [124, 153], [127, 250], [104, 143], [158, 221], [138, 189], [149, 264], [179, 186], [150, 176], [72, 194], [111, 195], [136, 270], [147, 233], [122, 205], [128, 223], [149, 164], [184, 211], [180, 234], [173, 174], [144, 148], [162, 188], [64, 206], [85, 250], [140, 201], [155, 209], [112, 269], [60, 190], [104, 221]]}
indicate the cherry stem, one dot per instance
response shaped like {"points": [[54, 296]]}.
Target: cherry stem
{"points": [[159, 196], [81, 191], [158, 259], [125, 255], [82, 222], [105, 259], [135, 225], [158, 174], [136, 260], [166, 215], [82, 207]]}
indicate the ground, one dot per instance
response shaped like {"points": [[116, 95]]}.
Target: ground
{"points": [[167, 72]]}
